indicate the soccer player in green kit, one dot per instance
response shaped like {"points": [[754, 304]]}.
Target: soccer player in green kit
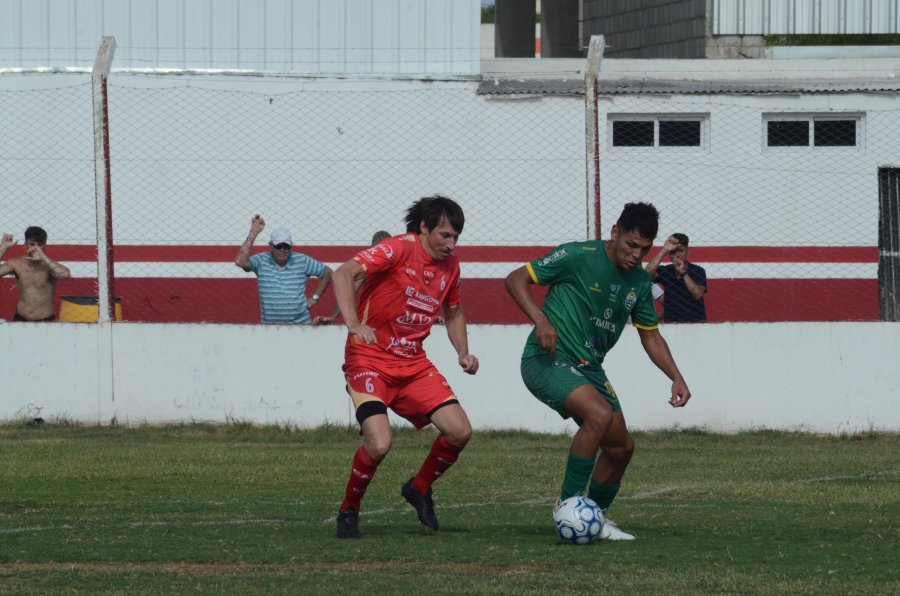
{"points": [[595, 288]]}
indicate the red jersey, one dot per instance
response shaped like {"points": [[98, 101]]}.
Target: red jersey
{"points": [[403, 293]]}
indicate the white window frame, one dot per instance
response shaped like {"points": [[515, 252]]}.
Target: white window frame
{"points": [[701, 117], [811, 118]]}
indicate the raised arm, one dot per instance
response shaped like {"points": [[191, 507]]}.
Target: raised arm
{"points": [[459, 337], [653, 266], [5, 243], [257, 225], [658, 351], [518, 284]]}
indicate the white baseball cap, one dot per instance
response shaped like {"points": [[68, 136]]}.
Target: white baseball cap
{"points": [[280, 235]]}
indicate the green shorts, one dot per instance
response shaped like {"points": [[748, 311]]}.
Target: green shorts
{"points": [[552, 377]]}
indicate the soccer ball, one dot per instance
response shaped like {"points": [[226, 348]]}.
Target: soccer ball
{"points": [[578, 520]]}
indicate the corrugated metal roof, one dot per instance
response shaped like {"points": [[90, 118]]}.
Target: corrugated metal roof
{"points": [[433, 37], [655, 87], [764, 17], [691, 87], [535, 87]]}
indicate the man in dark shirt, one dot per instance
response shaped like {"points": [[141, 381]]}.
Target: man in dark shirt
{"points": [[683, 281]]}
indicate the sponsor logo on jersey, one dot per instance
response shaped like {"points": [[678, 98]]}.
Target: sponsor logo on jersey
{"points": [[614, 292], [608, 313], [630, 299], [554, 256], [369, 253], [414, 319], [368, 373], [429, 275], [596, 287], [591, 344], [604, 324], [420, 305], [403, 346], [412, 272]]}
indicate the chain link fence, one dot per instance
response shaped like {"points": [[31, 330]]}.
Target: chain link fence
{"points": [[47, 168], [778, 197]]}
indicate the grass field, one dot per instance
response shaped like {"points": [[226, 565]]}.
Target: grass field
{"points": [[239, 508]]}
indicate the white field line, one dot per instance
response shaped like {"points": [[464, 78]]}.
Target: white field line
{"points": [[392, 510], [862, 476]]}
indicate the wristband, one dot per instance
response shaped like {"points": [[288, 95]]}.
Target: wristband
{"points": [[315, 297]]}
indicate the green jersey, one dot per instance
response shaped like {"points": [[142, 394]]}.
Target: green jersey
{"points": [[589, 301]]}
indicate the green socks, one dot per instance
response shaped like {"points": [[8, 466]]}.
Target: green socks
{"points": [[578, 470], [603, 494]]}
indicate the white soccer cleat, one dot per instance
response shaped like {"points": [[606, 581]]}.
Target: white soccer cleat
{"points": [[612, 532]]}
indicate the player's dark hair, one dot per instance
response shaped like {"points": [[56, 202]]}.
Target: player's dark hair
{"points": [[432, 210], [37, 234], [379, 236], [682, 239], [640, 217]]}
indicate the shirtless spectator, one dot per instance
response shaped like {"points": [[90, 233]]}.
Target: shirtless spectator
{"points": [[36, 276]]}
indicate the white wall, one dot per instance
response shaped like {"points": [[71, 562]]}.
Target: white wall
{"points": [[818, 377]]}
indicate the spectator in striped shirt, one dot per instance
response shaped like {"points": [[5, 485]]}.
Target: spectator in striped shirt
{"points": [[281, 276]]}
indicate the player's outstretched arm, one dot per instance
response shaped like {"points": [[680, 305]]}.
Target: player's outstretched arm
{"points": [[518, 285], [459, 337], [658, 351]]}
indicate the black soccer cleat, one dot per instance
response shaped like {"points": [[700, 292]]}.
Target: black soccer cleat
{"points": [[348, 524], [422, 503]]}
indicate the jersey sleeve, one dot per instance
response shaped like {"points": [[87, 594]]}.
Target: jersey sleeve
{"points": [[453, 295], [644, 314], [382, 256], [553, 268]]}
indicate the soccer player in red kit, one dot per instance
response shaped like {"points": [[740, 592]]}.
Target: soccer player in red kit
{"points": [[409, 281]]}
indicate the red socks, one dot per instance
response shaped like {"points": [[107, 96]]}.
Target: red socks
{"points": [[364, 466], [443, 454]]}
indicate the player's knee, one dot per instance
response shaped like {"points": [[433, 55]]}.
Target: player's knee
{"points": [[620, 453], [597, 421], [378, 446], [459, 435]]}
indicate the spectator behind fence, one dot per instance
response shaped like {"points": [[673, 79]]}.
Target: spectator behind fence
{"points": [[281, 276], [684, 282], [36, 276], [330, 320]]}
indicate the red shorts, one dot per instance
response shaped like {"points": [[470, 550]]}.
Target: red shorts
{"points": [[413, 390]]}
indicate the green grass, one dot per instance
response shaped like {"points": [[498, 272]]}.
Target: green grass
{"points": [[240, 508]]}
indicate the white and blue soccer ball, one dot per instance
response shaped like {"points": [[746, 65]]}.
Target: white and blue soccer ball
{"points": [[579, 520]]}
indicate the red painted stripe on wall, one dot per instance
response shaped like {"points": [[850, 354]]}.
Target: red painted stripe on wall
{"points": [[484, 300], [471, 254]]}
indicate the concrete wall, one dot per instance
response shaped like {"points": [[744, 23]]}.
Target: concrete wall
{"points": [[829, 378]]}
